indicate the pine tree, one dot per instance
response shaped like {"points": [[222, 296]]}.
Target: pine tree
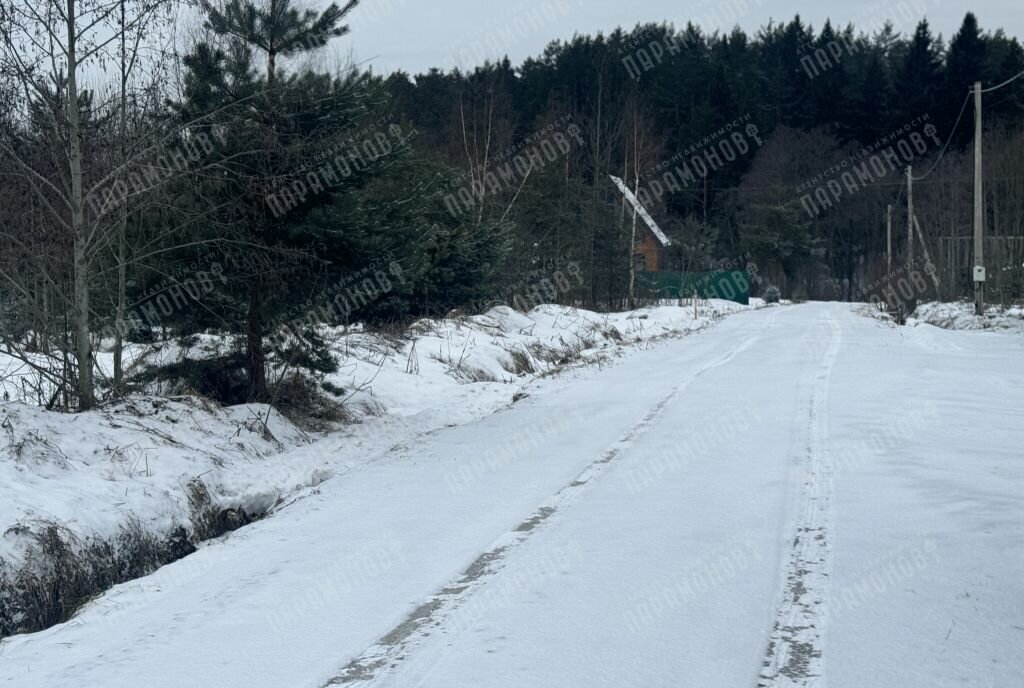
{"points": [[276, 28], [271, 129]]}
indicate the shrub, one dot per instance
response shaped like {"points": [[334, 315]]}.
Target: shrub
{"points": [[520, 363], [301, 400], [221, 378], [772, 294]]}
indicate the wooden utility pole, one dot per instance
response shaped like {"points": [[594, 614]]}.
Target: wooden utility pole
{"points": [[632, 258], [636, 190], [979, 215], [910, 217], [929, 266]]}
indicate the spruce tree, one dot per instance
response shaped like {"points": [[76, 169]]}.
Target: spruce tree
{"points": [[965, 64], [918, 82]]}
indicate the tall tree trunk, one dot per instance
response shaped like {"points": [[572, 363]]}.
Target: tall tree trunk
{"points": [[594, 195], [256, 355], [256, 359], [123, 228], [119, 324], [83, 353]]}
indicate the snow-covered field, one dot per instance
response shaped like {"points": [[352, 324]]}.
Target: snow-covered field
{"points": [[133, 463], [797, 496]]}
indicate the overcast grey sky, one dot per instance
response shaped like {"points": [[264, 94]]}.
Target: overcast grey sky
{"points": [[417, 34]]}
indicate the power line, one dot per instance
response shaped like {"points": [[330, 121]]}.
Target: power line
{"points": [[902, 183], [963, 107], [948, 140], [999, 86]]}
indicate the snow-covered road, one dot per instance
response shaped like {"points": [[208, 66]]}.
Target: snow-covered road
{"points": [[797, 495]]}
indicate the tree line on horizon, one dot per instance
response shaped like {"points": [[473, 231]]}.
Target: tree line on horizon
{"points": [[239, 188], [650, 97]]}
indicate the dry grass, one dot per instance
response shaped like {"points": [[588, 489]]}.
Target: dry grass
{"points": [[61, 573], [608, 331], [461, 370], [547, 354], [520, 362], [467, 373], [304, 402]]}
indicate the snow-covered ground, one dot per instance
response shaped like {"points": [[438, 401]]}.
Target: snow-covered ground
{"points": [[797, 496], [960, 316], [93, 472], [134, 462]]}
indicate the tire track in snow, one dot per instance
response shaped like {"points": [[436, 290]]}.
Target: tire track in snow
{"points": [[795, 650], [396, 645]]}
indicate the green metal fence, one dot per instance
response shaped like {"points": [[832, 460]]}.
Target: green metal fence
{"points": [[729, 285]]}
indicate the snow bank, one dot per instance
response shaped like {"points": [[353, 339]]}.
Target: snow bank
{"points": [[137, 462], [91, 472], [427, 372], [960, 316], [93, 469]]}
